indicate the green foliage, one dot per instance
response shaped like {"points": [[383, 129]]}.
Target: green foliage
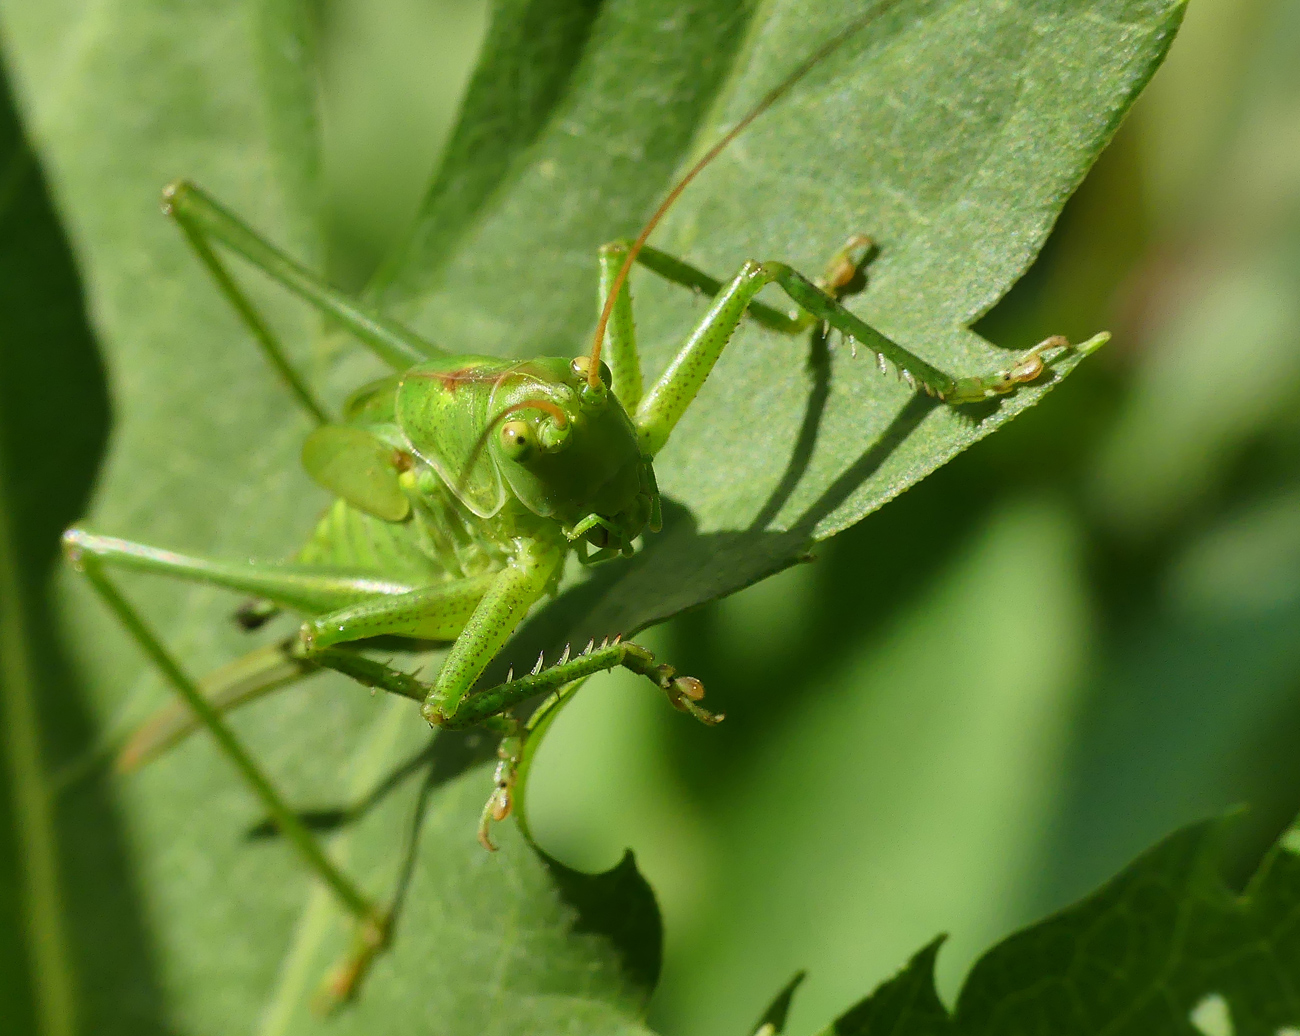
{"points": [[1164, 948], [951, 132], [47, 366]]}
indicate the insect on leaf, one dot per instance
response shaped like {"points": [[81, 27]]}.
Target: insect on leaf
{"points": [[950, 131]]}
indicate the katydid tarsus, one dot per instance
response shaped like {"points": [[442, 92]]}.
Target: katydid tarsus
{"points": [[461, 484]]}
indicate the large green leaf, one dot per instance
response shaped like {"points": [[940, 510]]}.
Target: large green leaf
{"points": [[951, 131], [1164, 948]]}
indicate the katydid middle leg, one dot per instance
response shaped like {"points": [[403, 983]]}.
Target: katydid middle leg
{"points": [[839, 278]]}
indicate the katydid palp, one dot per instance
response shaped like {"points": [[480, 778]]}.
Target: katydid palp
{"points": [[461, 483]]}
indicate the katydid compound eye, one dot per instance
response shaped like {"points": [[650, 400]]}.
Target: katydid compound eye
{"points": [[582, 364], [517, 439]]}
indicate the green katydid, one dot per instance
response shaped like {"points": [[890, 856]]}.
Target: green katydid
{"points": [[461, 485]]}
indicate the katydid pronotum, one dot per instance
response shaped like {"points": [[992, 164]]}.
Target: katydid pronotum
{"points": [[461, 484]]}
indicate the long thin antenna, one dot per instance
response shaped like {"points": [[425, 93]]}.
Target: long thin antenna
{"points": [[772, 96]]}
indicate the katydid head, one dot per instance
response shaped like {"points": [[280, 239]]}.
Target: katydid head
{"points": [[534, 431], [571, 454]]}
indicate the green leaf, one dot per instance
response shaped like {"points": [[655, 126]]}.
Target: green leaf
{"points": [[951, 131], [907, 1003], [773, 1020], [1164, 948]]}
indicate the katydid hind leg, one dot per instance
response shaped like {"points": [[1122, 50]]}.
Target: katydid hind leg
{"points": [[371, 924], [268, 341], [261, 671], [301, 588], [205, 221]]}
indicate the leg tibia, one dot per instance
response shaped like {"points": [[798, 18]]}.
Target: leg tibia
{"points": [[356, 903], [815, 301], [683, 692], [911, 368]]}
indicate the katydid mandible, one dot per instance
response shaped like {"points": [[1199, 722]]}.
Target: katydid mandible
{"points": [[460, 484]]}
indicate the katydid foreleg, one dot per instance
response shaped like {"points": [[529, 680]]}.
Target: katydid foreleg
{"points": [[261, 671], [842, 275], [491, 708], [624, 362]]}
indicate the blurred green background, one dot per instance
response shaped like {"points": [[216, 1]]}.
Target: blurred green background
{"points": [[981, 702]]}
